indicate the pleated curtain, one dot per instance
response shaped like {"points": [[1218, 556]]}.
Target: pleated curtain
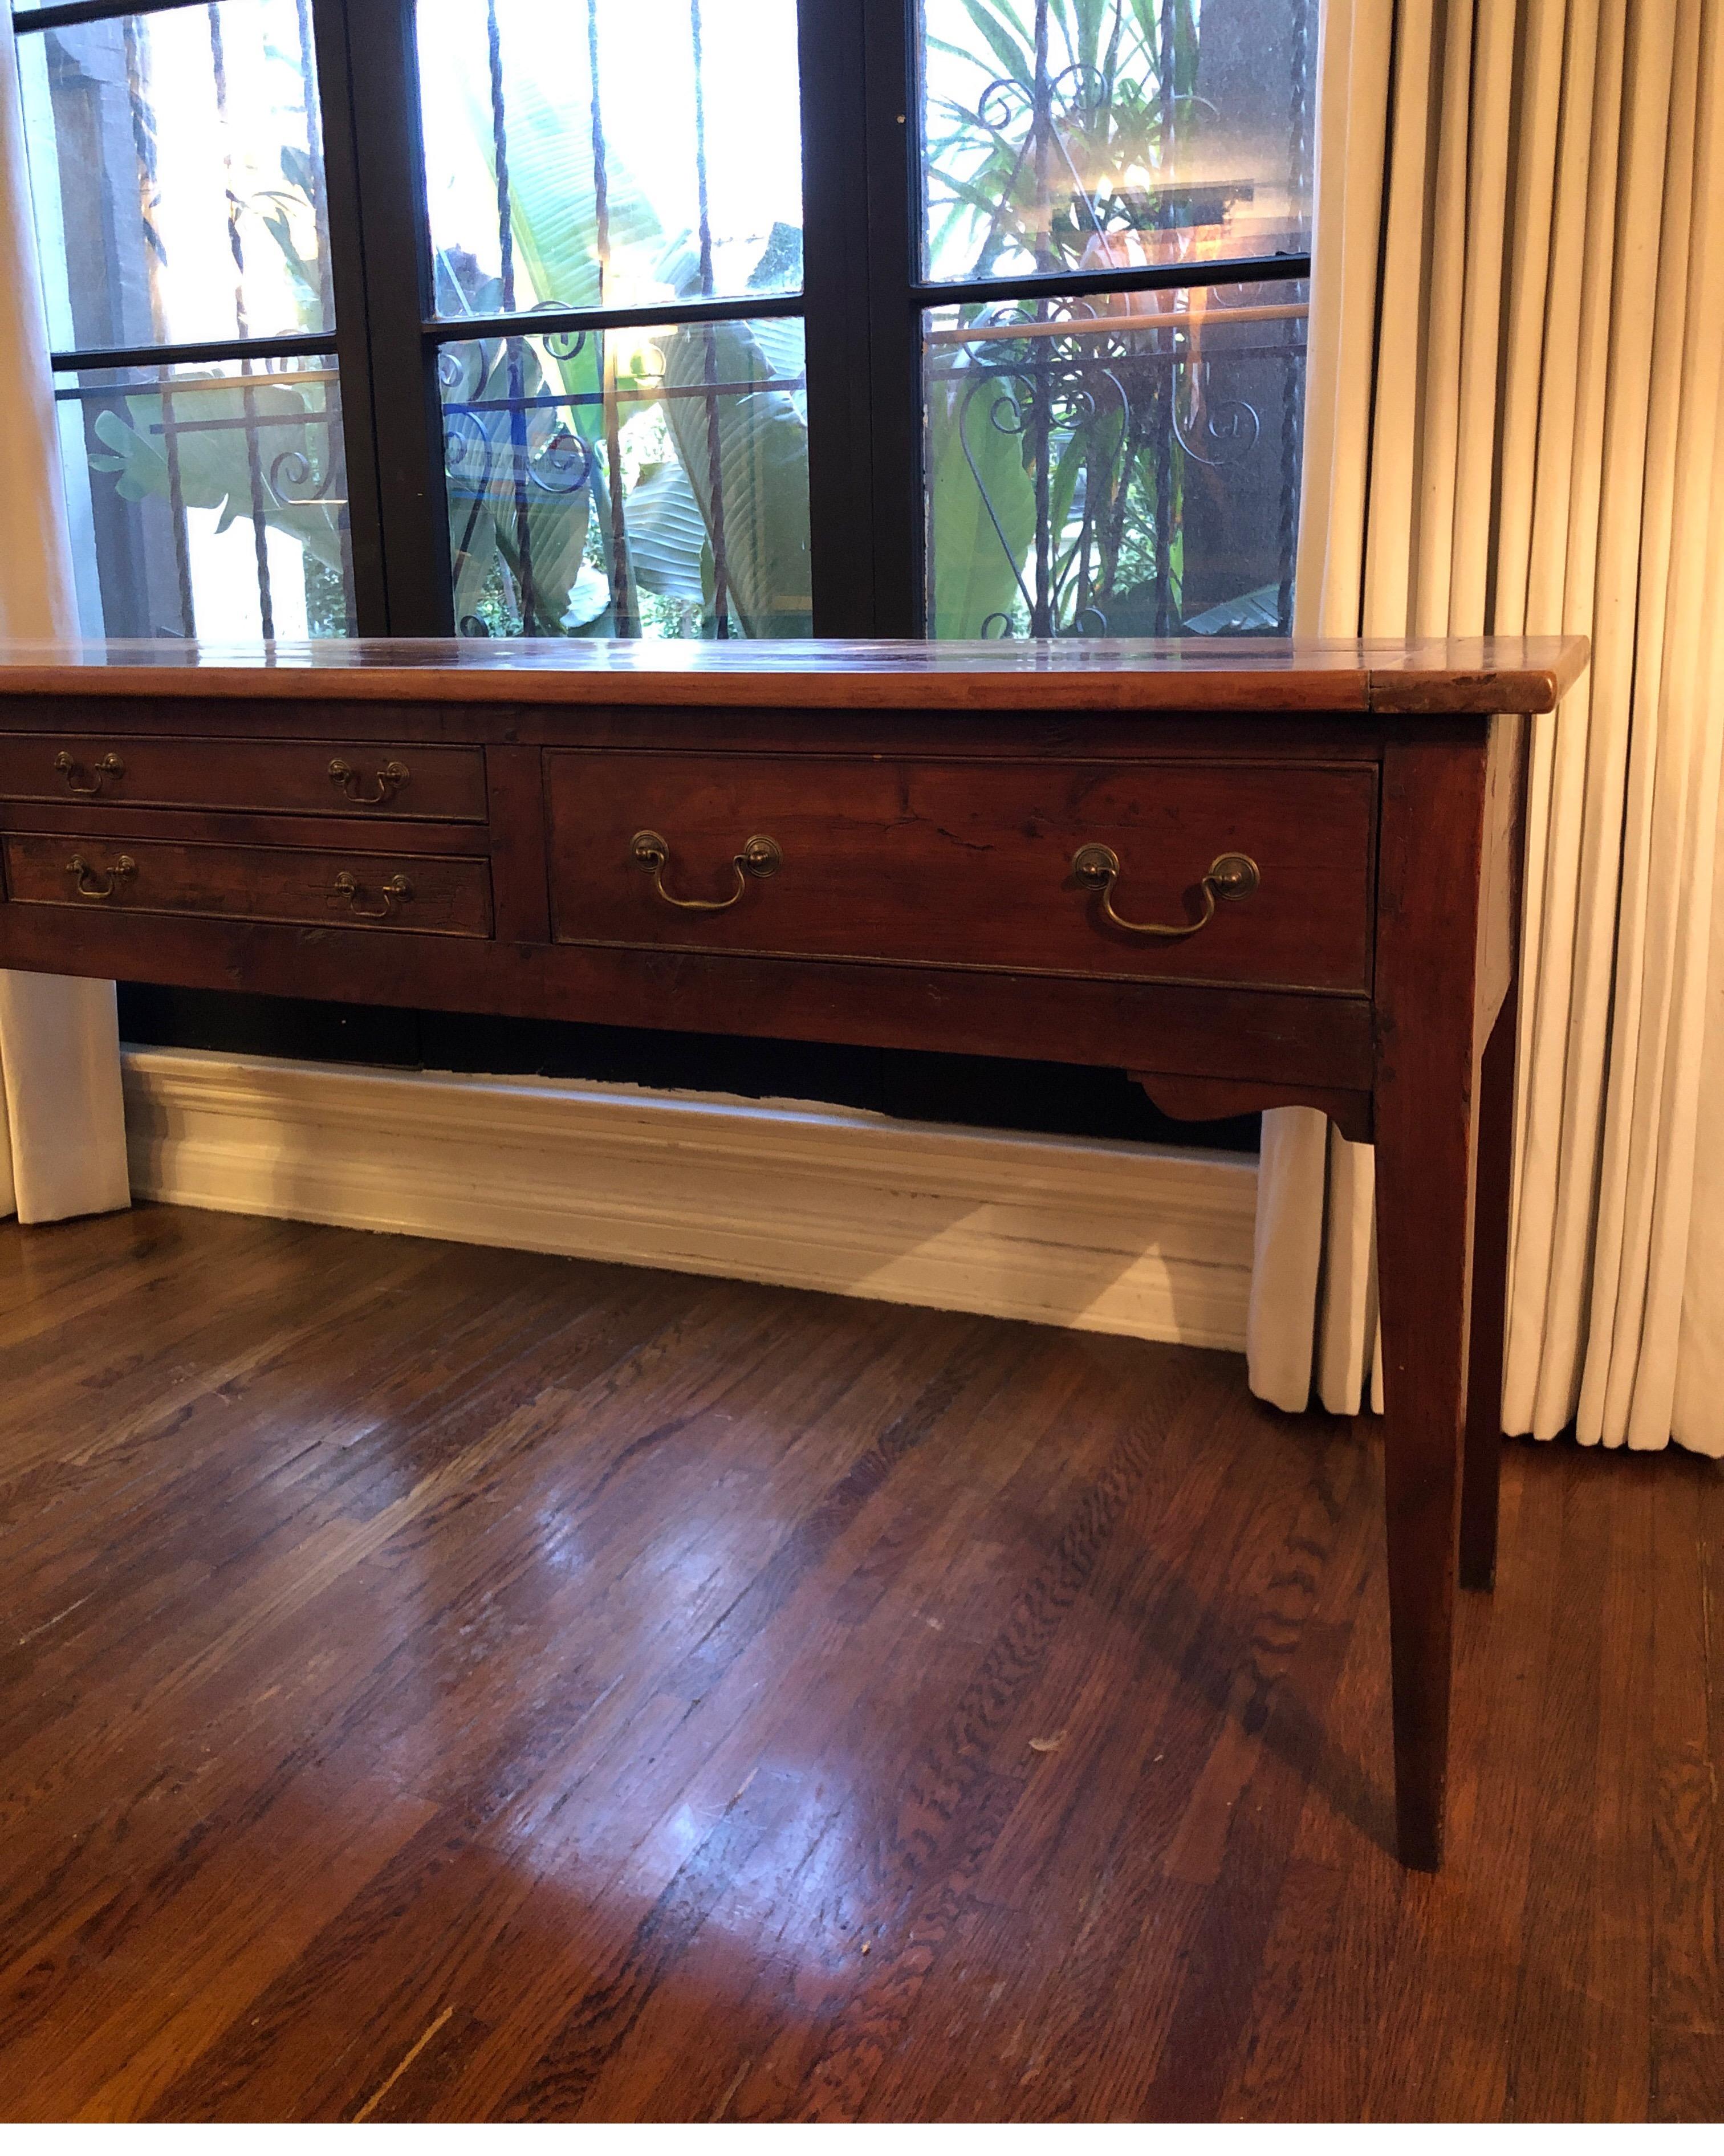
{"points": [[62, 1122], [1517, 328]]}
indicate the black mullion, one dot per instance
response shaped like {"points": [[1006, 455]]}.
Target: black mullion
{"points": [[352, 341], [553, 321], [892, 133], [1079, 284], [832, 46], [406, 408], [301, 344], [71, 12]]}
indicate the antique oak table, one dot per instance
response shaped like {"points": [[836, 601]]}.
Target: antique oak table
{"points": [[1250, 873]]}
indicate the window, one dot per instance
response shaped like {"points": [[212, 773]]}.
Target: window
{"points": [[676, 318]]}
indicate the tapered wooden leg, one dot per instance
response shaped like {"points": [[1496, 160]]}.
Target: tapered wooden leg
{"points": [[1427, 970], [1490, 1253]]}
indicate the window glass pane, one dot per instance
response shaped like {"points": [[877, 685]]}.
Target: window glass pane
{"points": [[1124, 466], [615, 152], [176, 167], [208, 500], [1075, 134], [634, 483]]}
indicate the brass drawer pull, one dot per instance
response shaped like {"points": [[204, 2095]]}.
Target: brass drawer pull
{"points": [[83, 874], [390, 778], [1230, 876], [73, 772], [760, 857], [347, 886]]}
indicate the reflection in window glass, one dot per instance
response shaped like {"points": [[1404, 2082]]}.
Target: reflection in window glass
{"points": [[177, 168], [1071, 134], [208, 500], [630, 483], [621, 153], [1119, 467]]}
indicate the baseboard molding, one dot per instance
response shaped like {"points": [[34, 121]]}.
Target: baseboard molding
{"points": [[1151, 1242]]}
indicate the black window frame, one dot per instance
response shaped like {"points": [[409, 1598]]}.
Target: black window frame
{"points": [[862, 303]]}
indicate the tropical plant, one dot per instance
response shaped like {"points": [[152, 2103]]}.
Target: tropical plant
{"points": [[1063, 434]]}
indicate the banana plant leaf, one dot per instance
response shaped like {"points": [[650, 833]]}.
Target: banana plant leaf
{"points": [[294, 455], [553, 227], [977, 557], [522, 497], [751, 484], [667, 534]]}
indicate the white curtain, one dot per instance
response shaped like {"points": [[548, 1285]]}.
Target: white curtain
{"points": [[1517, 322], [62, 1124]]}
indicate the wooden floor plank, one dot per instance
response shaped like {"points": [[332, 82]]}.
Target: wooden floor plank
{"points": [[446, 1683]]}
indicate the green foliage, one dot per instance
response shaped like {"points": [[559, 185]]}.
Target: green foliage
{"points": [[761, 452], [293, 447], [1068, 168], [977, 557], [493, 526], [1049, 171]]}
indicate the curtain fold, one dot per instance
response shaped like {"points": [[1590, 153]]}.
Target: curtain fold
{"points": [[62, 1119], [1516, 381]]}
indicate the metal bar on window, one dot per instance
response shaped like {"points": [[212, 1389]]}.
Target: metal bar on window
{"points": [[92, 392], [1041, 618], [248, 402], [1105, 326], [621, 605], [514, 348], [316, 186], [665, 393], [177, 508], [715, 456]]}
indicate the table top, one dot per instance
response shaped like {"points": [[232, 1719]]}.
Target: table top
{"points": [[1212, 674]]}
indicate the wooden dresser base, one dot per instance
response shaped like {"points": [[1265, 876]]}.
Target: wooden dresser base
{"points": [[1252, 876]]}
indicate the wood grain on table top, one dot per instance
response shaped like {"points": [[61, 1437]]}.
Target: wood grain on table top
{"points": [[1231, 674]]}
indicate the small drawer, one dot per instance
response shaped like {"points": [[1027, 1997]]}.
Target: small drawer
{"points": [[391, 780], [431, 895], [1059, 867]]}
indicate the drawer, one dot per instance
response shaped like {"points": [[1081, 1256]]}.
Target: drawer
{"points": [[398, 779], [433, 895], [967, 862]]}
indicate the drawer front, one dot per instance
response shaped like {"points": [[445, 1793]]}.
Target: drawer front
{"points": [[391, 780], [972, 863], [341, 890]]}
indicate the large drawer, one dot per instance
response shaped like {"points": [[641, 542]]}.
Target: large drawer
{"points": [[346, 889], [393, 779], [965, 862]]}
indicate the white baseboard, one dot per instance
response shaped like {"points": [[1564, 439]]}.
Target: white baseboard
{"points": [[1151, 1242]]}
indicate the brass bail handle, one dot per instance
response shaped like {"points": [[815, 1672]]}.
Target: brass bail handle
{"points": [[760, 858], [347, 886], [85, 876], [1229, 875], [73, 772], [390, 778]]}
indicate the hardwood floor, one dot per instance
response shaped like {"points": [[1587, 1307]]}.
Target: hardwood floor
{"points": [[440, 1682]]}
